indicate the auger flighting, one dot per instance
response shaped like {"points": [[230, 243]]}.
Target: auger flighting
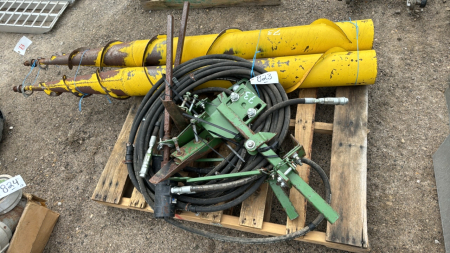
{"points": [[323, 53]]}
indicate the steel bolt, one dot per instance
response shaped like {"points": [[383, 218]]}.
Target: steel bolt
{"points": [[279, 179], [283, 184], [235, 87], [250, 144], [234, 97], [288, 171], [251, 112]]}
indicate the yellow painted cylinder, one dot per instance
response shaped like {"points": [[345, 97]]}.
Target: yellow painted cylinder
{"points": [[336, 67], [316, 38]]}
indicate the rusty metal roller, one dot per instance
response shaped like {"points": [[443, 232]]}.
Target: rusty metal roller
{"points": [[336, 67], [316, 38]]}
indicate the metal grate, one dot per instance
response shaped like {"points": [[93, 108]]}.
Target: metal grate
{"points": [[22, 16]]}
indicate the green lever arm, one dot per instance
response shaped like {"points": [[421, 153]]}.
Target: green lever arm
{"points": [[281, 167], [284, 199]]}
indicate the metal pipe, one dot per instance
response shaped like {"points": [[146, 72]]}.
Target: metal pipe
{"points": [[168, 91], [316, 38], [182, 34], [306, 71]]}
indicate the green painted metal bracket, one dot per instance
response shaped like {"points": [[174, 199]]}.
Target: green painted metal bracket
{"points": [[315, 199], [282, 167], [284, 199]]}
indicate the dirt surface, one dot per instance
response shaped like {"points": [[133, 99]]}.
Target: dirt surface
{"points": [[61, 152]]}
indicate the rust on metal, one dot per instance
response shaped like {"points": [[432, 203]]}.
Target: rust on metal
{"points": [[144, 60], [12, 217], [173, 167], [104, 49], [176, 113], [72, 54], [88, 59], [182, 34], [113, 56], [168, 91], [154, 56]]}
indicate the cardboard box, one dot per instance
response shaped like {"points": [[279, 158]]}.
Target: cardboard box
{"points": [[34, 227]]}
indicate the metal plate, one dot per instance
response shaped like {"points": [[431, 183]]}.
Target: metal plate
{"points": [[20, 16]]}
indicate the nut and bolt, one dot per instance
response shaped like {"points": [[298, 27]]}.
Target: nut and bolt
{"points": [[251, 112], [283, 184], [234, 97], [250, 144], [279, 179], [235, 87]]}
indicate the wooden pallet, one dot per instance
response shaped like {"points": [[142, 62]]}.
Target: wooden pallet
{"points": [[348, 173]]}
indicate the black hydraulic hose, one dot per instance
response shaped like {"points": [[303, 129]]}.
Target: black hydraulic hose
{"points": [[222, 186], [227, 205], [149, 122], [290, 236]]}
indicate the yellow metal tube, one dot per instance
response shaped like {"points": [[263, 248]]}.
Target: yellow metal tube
{"points": [[316, 38], [336, 67]]}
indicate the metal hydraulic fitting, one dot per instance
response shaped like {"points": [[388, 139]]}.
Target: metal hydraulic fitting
{"points": [[181, 190], [412, 4], [297, 159], [144, 169], [327, 101]]}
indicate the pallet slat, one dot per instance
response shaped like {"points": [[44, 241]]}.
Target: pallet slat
{"points": [[319, 127], [252, 209], [304, 132], [232, 222], [112, 181], [348, 168], [137, 199], [176, 4]]}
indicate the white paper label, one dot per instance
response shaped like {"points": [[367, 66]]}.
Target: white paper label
{"points": [[11, 185], [269, 77], [22, 45]]}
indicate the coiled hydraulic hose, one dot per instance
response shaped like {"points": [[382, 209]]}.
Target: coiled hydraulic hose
{"points": [[149, 123]]}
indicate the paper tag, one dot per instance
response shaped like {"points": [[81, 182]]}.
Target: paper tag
{"points": [[22, 45], [11, 185], [269, 77]]}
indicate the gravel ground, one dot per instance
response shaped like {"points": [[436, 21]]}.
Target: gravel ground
{"points": [[61, 152]]}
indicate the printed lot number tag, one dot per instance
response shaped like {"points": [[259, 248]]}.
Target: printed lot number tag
{"points": [[11, 185], [22, 45], [266, 78]]}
